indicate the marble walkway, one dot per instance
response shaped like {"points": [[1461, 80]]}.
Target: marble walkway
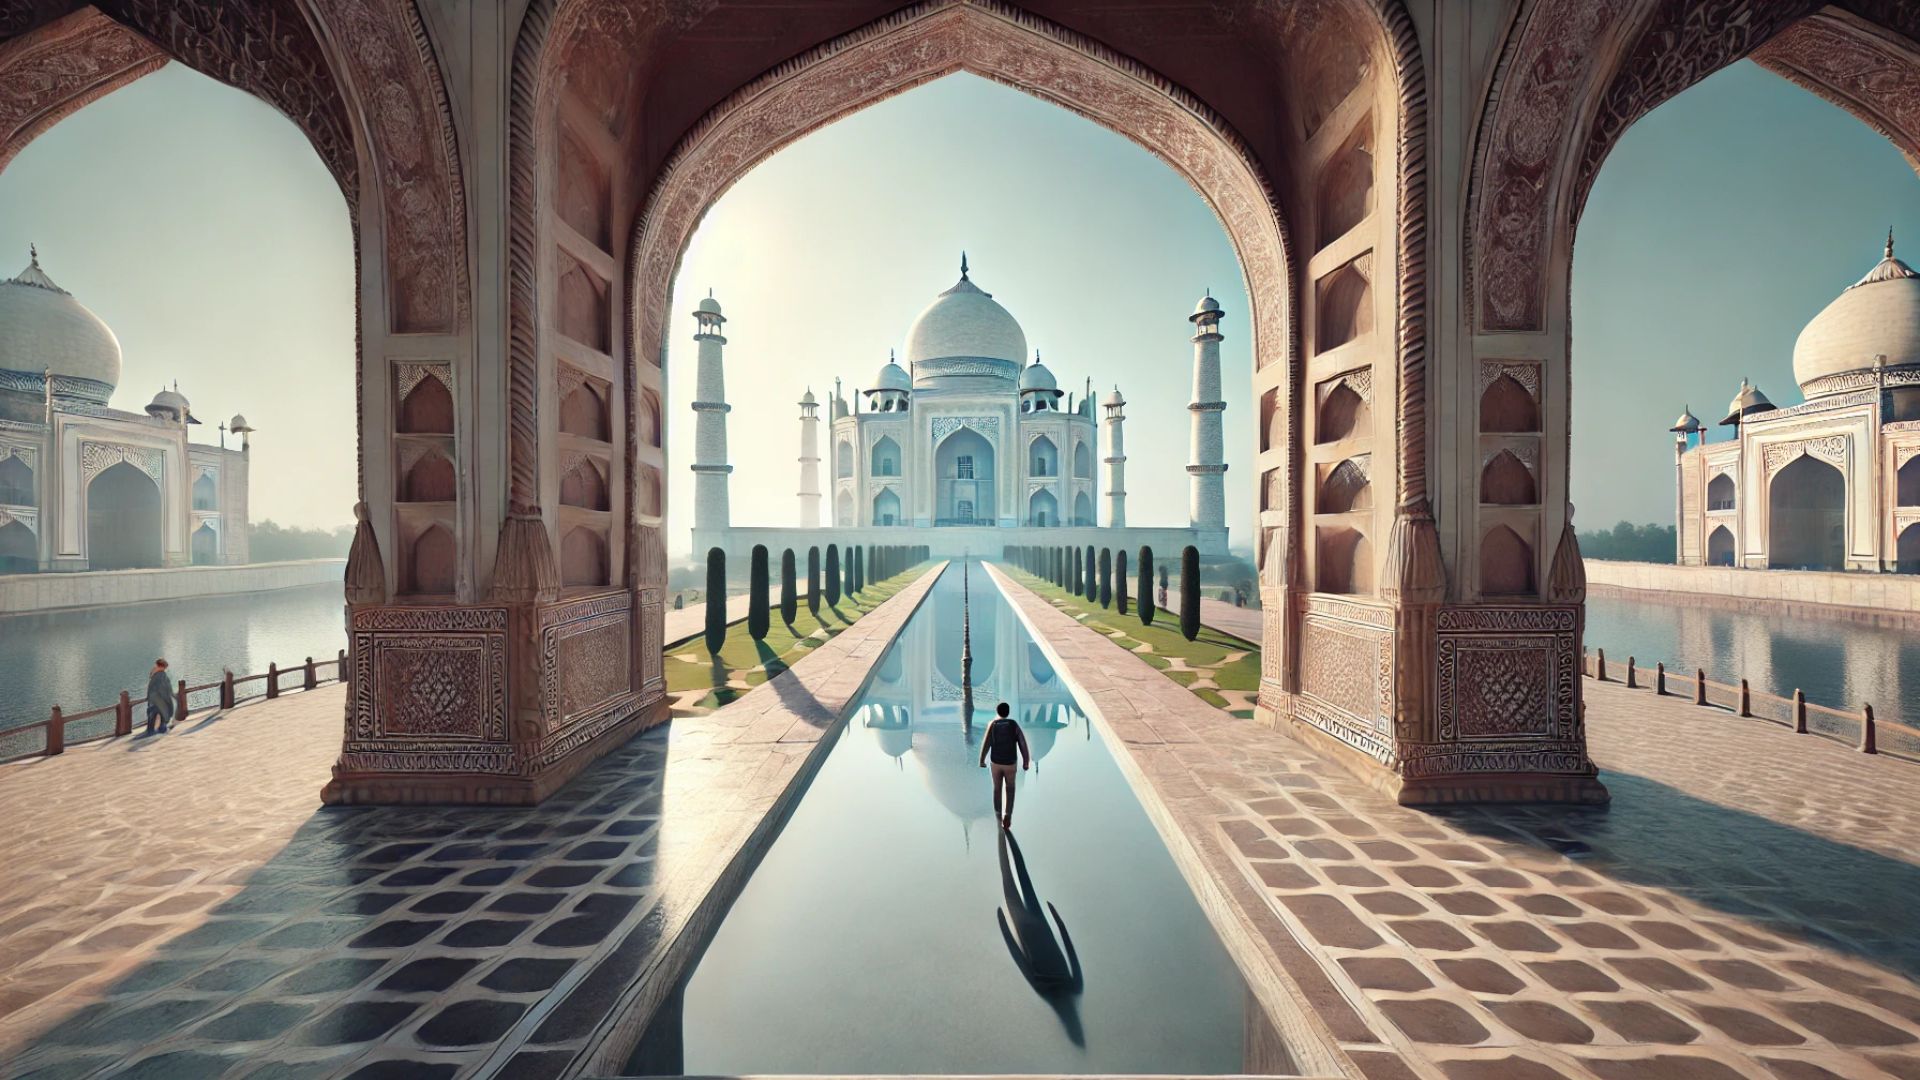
{"points": [[180, 906]]}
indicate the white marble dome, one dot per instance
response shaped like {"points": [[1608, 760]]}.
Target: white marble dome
{"points": [[1879, 315], [1035, 376], [43, 328], [892, 377], [966, 323]]}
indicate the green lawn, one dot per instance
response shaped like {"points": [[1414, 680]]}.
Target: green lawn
{"points": [[691, 667], [1206, 654]]}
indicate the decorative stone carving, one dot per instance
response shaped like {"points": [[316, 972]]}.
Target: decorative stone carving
{"points": [[407, 375], [366, 576], [97, 457], [1526, 452], [1359, 380], [423, 676], [1831, 449], [1349, 669], [1867, 75], [28, 455], [1903, 453], [1526, 374], [944, 426], [25, 515], [1567, 578], [47, 75], [1504, 672], [585, 657]]}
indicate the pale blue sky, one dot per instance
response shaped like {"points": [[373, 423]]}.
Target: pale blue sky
{"points": [[196, 221]]}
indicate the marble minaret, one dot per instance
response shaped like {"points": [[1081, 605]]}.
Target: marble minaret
{"points": [[710, 468], [1206, 468], [809, 462], [1116, 460]]}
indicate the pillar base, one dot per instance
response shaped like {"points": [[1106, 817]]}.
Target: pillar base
{"points": [[1446, 789]]}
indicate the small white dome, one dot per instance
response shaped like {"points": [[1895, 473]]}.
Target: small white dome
{"points": [[238, 423], [1035, 376], [892, 377], [1686, 422], [1877, 316], [1114, 398], [808, 398], [965, 323], [1207, 304], [43, 328], [169, 404], [708, 305], [1746, 401]]}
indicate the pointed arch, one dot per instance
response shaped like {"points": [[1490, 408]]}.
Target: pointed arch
{"points": [[1806, 516], [1721, 494], [885, 460], [842, 458], [583, 485], [1506, 481], [886, 508], [427, 409], [430, 479], [123, 520], [1082, 460], [1506, 564], [16, 482], [1043, 457], [19, 549], [1907, 550], [1507, 406], [1043, 510], [584, 412], [433, 565], [583, 557], [1345, 489], [1906, 486], [206, 493], [1343, 415], [1720, 546], [843, 509], [206, 545], [1083, 511], [1345, 562]]}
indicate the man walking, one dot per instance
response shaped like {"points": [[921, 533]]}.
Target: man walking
{"points": [[1003, 742], [159, 697]]}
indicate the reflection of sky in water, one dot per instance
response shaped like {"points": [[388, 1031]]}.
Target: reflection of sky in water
{"points": [[1838, 664], [886, 932], [83, 659]]}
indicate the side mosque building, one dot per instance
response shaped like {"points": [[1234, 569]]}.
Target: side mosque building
{"points": [[968, 447], [1832, 483], [84, 486]]}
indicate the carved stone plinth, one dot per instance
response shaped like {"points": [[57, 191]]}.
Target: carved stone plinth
{"points": [[431, 715]]}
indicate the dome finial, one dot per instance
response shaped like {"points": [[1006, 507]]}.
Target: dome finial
{"points": [[963, 264], [33, 253], [1889, 241]]}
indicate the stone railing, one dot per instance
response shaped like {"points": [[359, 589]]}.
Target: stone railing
{"points": [[61, 729], [1858, 728]]}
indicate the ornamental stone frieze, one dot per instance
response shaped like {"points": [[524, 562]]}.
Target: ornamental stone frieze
{"points": [[1831, 449], [1904, 453], [25, 515], [1526, 374], [97, 457], [1359, 380], [28, 455], [408, 374], [988, 426]]}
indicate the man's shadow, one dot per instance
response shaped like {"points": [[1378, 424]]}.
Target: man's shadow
{"points": [[1051, 966]]}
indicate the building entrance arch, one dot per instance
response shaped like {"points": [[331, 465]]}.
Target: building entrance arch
{"points": [[965, 483], [123, 519], [1806, 516]]}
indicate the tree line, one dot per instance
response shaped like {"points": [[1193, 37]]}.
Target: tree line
{"points": [[1628, 542], [861, 566], [1100, 575]]}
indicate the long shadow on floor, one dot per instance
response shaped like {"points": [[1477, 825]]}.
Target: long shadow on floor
{"points": [[391, 941], [1766, 875]]}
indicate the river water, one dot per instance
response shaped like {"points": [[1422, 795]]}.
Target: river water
{"points": [[81, 660], [1838, 664]]}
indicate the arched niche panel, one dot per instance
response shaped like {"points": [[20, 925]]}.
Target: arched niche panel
{"points": [[1344, 562], [1082, 461], [433, 563], [1720, 546], [1721, 494], [1507, 406], [16, 482], [583, 310], [206, 545], [583, 557], [1043, 457], [1345, 488], [1506, 481], [1273, 489], [583, 190], [647, 491], [1806, 516], [583, 410], [1343, 413], [1043, 509], [583, 485], [427, 408], [885, 459], [1907, 550], [647, 419], [430, 479], [1906, 486], [842, 459], [1343, 304], [1335, 63], [19, 549], [1273, 421], [123, 520], [1506, 564], [843, 510], [206, 493], [1083, 511], [1343, 194]]}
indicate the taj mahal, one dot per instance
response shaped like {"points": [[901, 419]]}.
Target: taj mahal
{"points": [[972, 444]]}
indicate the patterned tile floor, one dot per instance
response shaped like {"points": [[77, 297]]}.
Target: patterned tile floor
{"points": [[180, 907]]}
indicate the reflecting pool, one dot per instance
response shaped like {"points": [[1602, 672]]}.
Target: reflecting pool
{"points": [[1838, 664], [893, 928]]}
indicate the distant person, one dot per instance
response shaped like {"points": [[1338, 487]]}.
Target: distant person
{"points": [[1003, 742], [159, 697]]}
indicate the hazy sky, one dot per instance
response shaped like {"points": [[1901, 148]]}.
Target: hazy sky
{"points": [[197, 222]]}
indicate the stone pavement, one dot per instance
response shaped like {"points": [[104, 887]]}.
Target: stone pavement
{"points": [[181, 906], [1742, 909], [1241, 622]]}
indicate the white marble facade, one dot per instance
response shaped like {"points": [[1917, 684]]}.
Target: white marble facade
{"points": [[84, 486]]}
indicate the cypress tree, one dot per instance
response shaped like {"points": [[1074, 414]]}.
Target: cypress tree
{"points": [[1106, 577], [716, 599], [853, 571], [1146, 585], [789, 589], [1073, 574], [1120, 582], [833, 575], [758, 618], [813, 579], [1090, 581], [1190, 592]]}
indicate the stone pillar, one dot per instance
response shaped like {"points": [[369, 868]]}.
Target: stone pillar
{"points": [[710, 468], [1206, 463], [809, 462], [1116, 460]]}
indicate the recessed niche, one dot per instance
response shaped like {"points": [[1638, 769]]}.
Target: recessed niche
{"points": [[646, 491], [1345, 562], [1506, 481], [1273, 421], [647, 417], [583, 411], [1273, 489], [1343, 304], [583, 485], [427, 409], [1506, 564], [1343, 413], [1336, 60], [434, 562], [1507, 406], [1344, 195], [1345, 488], [430, 479], [583, 312], [583, 557], [582, 190]]}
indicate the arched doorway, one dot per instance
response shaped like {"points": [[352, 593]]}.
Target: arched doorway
{"points": [[1082, 461], [1720, 493], [1043, 458], [1907, 486], [123, 519], [1083, 510], [1043, 510], [1806, 516], [206, 493], [16, 482], [886, 457], [1720, 546], [886, 508], [963, 478], [206, 545], [1908, 550], [19, 549]]}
